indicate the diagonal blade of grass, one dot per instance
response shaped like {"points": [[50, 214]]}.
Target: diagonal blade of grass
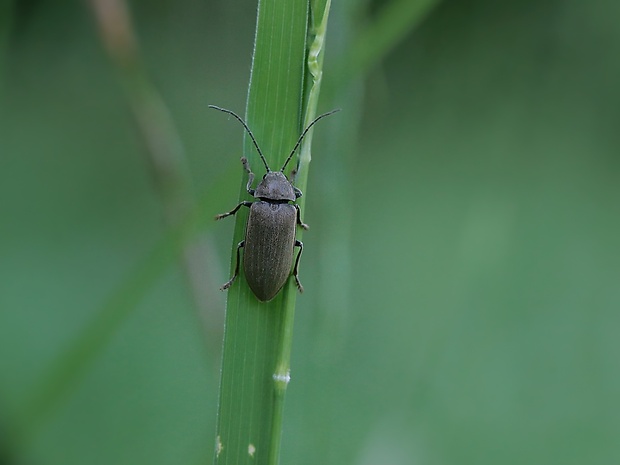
{"points": [[64, 375], [393, 22]]}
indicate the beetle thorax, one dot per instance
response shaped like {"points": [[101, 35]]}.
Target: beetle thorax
{"points": [[275, 186]]}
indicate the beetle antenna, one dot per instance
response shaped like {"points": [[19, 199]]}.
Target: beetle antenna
{"points": [[249, 132], [304, 133]]}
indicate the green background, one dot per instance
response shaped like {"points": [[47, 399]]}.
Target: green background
{"points": [[462, 272]]}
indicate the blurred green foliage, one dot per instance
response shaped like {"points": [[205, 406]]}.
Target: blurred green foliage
{"points": [[473, 316]]}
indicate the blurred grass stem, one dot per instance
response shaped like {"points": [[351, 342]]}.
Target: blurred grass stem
{"points": [[71, 365], [393, 22], [164, 149], [167, 161]]}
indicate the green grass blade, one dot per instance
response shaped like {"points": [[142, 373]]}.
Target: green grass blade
{"points": [[258, 336]]}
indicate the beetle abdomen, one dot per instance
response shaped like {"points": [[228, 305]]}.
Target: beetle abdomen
{"points": [[269, 242]]}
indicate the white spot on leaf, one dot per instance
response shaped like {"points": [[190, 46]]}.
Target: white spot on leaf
{"points": [[282, 377]]}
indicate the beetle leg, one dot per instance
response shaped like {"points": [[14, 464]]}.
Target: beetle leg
{"points": [[246, 166], [299, 222], [232, 280], [245, 203], [295, 270]]}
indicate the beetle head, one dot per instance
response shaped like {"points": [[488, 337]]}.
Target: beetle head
{"points": [[275, 186]]}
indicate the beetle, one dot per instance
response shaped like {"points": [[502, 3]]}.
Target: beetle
{"points": [[270, 229]]}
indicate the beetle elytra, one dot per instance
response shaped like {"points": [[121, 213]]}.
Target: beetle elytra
{"points": [[270, 229]]}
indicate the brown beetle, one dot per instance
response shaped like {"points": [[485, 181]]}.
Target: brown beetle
{"points": [[270, 230]]}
